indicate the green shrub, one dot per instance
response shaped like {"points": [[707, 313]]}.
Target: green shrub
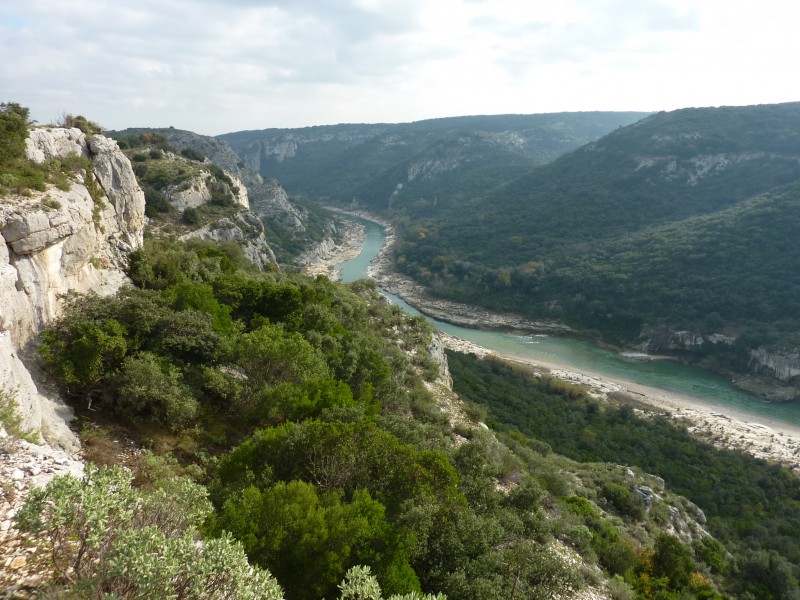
{"points": [[193, 154], [109, 540], [623, 500], [79, 121], [191, 216], [156, 154], [13, 132], [11, 421], [360, 584], [155, 202], [146, 388]]}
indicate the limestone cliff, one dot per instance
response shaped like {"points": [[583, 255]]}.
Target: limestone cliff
{"points": [[245, 229], [770, 374], [57, 241]]}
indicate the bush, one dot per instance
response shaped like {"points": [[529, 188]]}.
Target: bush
{"points": [[13, 131], [623, 500], [109, 540], [11, 421], [155, 202], [360, 584], [80, 122], [191, 216], [149, 389], [193, 154]]}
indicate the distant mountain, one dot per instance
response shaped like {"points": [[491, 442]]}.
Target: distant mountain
{"points": [[382, 165], [677, 232]]}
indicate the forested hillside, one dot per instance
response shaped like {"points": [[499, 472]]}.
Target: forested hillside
{"points": [[383, 165], [299, 408], [681, 222]]}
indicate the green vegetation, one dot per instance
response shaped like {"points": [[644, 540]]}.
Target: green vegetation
{"points": [[300, 404], [161, 172], [80, 122], [193, 154], [111, 540], [290, 228], [434, 159], [11, 421], [17, 175], [680, 222], [752, 507], [21, 176]]}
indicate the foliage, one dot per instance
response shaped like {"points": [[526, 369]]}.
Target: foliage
{"points": [[360, 584], [751, 506], [289, 526], [193, 154], [295, 400], [11, 421], [647, 228], [366, 162], [17, 174], [106, 538], [80, 122], [14, 128], [147, 388]]}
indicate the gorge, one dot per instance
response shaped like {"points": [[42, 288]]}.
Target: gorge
{"points": [[699, 395]]}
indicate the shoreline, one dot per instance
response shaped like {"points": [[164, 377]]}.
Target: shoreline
{"points": [[775, 441], [347, 248]]}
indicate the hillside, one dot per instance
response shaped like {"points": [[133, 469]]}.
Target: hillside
{"points": [[378, 165], [679, 223], [266, 434], [292, 226]]}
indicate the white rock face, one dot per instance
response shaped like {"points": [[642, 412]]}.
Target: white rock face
{"points": [[782, 366], [58, 241], [274, 206], [246, 229], [44, 144], [196, 193]]}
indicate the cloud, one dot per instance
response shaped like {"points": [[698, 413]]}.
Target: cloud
{"points": [[222, 65]]}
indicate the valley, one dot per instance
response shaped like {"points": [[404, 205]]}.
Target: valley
{"points": [[710, 406]]}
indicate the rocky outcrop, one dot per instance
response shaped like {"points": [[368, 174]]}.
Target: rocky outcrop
{"points": [[770, 374], [196, 192], [246, 229], [22, 466], [784, 367], [57, 241], [265, 197], [667, 340], [271, 203]]}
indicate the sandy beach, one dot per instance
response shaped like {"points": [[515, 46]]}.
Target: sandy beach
{"points": [[736, 430]]}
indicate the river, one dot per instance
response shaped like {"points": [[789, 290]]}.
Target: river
{"points": [[704, 387]]}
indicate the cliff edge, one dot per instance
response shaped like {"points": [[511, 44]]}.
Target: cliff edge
{"points": [[56, 241]]}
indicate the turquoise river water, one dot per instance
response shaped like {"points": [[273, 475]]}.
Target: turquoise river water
{"points": [[702, 386]]}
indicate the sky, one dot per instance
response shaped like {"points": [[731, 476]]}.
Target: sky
{"points": [[217, 66]]}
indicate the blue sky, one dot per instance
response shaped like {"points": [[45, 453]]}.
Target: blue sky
{"points": [[215, 66]]}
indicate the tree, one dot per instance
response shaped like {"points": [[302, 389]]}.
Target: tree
{"points": [[151, 389], [83, 355], [292, 528], [13, 132]]}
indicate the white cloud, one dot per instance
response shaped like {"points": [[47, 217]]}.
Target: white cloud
{"points": [[216, 65]]}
